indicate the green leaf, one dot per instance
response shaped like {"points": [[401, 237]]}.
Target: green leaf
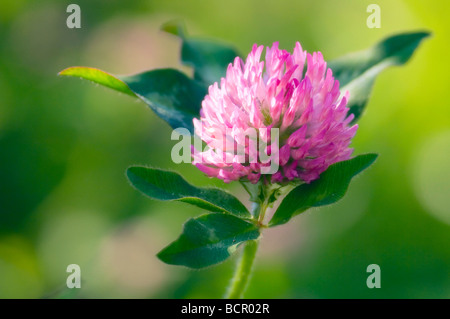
{"points": [[169, 93], [207, 240], [208, 58], [357, 71], [166, 186], [98, 76], [329, 188], [175, 27]]}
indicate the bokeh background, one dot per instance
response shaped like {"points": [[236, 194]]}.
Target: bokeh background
{"points": [[65, 145]]}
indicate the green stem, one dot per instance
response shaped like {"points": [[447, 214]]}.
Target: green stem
{"points": [[244, 266], [243, 271]]}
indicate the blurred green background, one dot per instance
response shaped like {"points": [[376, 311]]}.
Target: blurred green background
{"points": [[65, 145]]}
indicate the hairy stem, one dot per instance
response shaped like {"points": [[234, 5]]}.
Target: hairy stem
{"points": [[243, 271]]}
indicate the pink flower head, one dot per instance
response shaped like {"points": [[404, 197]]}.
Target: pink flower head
{"points": [[256, 96]]}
